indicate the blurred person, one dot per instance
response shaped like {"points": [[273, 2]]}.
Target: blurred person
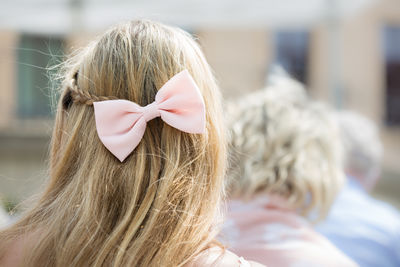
{"points": [[366, 229], [137, 159], [286, 164]]}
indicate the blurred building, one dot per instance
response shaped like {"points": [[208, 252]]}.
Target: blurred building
{"points": [[349, 58]]}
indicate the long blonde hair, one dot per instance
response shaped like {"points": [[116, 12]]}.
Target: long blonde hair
{"points": [[284, 144], [158, 208]]}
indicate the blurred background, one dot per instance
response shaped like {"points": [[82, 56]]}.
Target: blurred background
{"points": [[347, 53]]}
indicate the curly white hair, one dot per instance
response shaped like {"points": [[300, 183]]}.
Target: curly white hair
{"points": [[282, 143]]}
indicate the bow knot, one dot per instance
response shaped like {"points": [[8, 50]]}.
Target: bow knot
{"points": [[121, 123], [151, 111]]}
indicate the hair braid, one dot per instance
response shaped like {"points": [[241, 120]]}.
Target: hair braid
{"points": [[84, 97]]}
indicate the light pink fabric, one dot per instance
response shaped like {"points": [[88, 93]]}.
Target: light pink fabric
{"points": [[121, 123], [217, 256], [275, 236]]}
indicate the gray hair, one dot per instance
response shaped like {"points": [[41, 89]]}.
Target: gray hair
{"points": [[283, 143]]}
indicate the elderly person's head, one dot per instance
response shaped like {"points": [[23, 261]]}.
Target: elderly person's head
{"points": [[283, 144], [362, 148]]}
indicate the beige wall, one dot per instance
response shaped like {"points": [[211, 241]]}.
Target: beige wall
{"points": [[8, 77], [78, 40], [361, 70], [238, 58]]}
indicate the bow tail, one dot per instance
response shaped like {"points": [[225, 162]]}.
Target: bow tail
{"points": [[122, 144]]}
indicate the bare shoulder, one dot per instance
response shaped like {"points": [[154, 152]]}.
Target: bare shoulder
{"points": [[219, 257]]}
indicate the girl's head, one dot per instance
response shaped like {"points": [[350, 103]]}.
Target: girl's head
{"points": [[158, 207], [285, 145]]}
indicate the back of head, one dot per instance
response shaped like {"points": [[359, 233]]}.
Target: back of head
{"points": [[158, 207], [285, 145], [362, 147]]}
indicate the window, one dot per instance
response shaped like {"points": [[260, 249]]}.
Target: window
{"points": [[392, 74], [34, 55], [291, 50]]}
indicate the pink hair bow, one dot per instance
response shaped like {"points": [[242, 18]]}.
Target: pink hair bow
{"points": [[121, 123]]}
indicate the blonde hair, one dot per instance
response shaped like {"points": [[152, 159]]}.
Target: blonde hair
{"points": [[284, 144], [158, 208]]}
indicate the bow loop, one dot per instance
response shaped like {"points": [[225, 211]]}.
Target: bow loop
{"points": [[121, 123]]}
